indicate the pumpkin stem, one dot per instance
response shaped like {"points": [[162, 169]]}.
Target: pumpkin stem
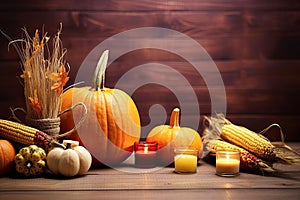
{"points": [[99, 75], [174, 120], [69, 144]]}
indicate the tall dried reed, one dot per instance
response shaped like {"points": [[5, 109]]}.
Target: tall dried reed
{"points": [[44, 73]]}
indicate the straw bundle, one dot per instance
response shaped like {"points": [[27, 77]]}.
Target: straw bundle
{"points": [[44, 74]]}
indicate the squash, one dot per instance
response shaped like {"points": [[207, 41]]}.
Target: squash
{"points": [[112, 124], [170, 137], [30, 161], [7, 156], [72, 161]]}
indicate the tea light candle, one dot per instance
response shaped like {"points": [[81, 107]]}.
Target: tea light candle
{"points": [[227, 163], [145, 155], [185, 160]]}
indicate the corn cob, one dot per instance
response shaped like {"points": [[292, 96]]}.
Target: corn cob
{"points": [[221, 128], [248, 161], [25, 135], [249, 140]]}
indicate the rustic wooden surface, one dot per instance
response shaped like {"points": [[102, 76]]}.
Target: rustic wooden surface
{"points": [[254, 43], [128, 182]]}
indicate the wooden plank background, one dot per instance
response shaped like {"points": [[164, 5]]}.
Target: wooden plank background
{"points": [[254, 43]]}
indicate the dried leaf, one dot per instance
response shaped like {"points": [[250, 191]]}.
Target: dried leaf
{"points": [[26, 74], [35, 104], [61, 79]]}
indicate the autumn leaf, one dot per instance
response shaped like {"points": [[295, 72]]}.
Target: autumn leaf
{"points": [[35, 104], [26, 74], [61, 79]]}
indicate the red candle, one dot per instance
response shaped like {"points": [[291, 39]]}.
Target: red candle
{"points": [[145, 155]]}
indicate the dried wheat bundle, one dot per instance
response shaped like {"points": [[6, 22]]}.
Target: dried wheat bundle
{"points": [[44, 73]]}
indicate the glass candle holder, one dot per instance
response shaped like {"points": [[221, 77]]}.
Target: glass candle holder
{"points": [[227, 163], [145, 154], [185, 160]]}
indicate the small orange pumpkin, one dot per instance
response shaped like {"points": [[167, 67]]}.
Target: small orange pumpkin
{"points": [[112, 124], [7, 156], [173, 136]]}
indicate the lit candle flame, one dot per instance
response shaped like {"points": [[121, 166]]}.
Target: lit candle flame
{"points": [[227, 157], [146, 148]]}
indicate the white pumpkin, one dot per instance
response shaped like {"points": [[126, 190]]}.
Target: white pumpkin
{"points": [[72, 161]]}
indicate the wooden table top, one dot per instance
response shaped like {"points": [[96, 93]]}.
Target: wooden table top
{"points": [[128, 182]]}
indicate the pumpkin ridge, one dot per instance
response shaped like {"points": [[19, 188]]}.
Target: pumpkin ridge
{"points": [[107, 103], [117, 112], [83, 96], [106, 113], [125, 127], [103, 119], [130, 131], [119, 136], [2, 155]]}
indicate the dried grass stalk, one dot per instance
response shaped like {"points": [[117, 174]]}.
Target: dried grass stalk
{"points": [[44, 74]]}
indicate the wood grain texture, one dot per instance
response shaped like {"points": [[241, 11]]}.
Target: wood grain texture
{"points": [[148, 5], [247, 194], [254, 44], [115, 5], [126, 181]]}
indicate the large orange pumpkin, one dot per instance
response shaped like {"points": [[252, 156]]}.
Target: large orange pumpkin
{"points": [[7, 156], [112, 124], [170, 137]]}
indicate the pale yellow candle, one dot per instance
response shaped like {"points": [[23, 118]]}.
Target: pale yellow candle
{"points": [[227, 166], [185, 163], [227, 163]]}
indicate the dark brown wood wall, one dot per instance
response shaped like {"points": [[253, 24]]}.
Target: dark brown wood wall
{"points": [[254, 43]]}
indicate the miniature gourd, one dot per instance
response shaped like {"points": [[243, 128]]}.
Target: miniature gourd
{"points": [[7, 156], [30, 161], [71, 161], [169, 137], [112, 124]]}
